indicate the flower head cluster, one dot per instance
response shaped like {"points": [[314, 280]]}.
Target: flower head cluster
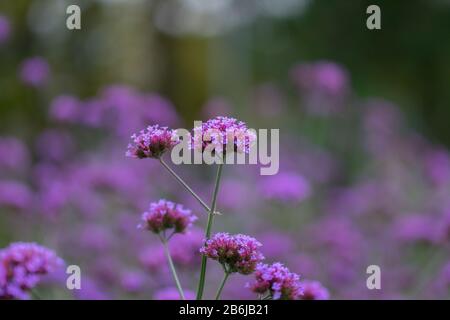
{"points": [[313, 290], [278, 281], [216, 135], [164, 215], [152, 142], [237, 253], [21, 267]]}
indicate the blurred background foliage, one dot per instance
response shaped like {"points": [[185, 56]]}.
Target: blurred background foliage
{"points": [[189, 51]]}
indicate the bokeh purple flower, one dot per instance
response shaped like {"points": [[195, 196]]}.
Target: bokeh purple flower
{"points": [[16, 195], [35, 72], [65, 108], [286, 187], [22, 266], [133, 281]]}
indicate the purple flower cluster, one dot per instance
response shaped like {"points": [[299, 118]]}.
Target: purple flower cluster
{"points": [[165, 215], [216, 134], [236, 253], [22, 266], [5, 29], [35, 72], [152, 142], [277, 281]]}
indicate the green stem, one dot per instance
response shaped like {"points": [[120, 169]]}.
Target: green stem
{"points": [[172, 268], [201, 283], [185, 185], [222, 284]]}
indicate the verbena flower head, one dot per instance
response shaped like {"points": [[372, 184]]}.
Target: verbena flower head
{"points": [[21, 267], [165, 215], [152, 142], [277, 281], [35, 72], [313, 290], [236, 253], [216, 134]]}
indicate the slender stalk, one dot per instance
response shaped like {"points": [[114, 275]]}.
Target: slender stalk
{"points": [[222, 284], [201, 283], [185, 185], [214, 201], [172, 268]]}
